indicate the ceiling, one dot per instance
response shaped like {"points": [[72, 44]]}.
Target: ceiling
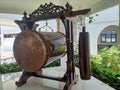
{"points": [[19, 6]]}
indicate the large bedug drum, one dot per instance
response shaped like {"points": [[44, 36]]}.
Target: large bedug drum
{"points": [[33, 50]]}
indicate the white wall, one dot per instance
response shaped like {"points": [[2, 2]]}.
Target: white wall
{"points": [[5, 21], [107, 17], [7, 43], [94, 31]]}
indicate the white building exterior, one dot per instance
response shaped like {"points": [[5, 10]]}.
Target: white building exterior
{"points": [[106, 18], [7, 37]]}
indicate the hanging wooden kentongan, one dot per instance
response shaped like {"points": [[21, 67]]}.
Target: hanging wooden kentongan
{"points": [[84, 55]]}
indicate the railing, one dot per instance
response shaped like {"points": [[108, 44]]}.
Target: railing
{"points": [[6, 57], [101, 46], [7, 60]]}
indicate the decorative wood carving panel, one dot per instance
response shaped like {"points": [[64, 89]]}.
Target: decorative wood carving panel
{"points": [[47, 11]]}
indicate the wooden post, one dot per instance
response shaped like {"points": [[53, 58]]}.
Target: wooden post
{"points": [[72, 78]]}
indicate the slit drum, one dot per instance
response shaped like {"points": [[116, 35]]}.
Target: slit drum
{"points": [[84, 56]]}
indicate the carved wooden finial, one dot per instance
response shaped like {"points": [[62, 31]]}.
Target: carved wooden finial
{"points": [[68, 7], [25, 15]]}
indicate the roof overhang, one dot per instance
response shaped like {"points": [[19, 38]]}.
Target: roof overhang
{"points": [[19, 6]]}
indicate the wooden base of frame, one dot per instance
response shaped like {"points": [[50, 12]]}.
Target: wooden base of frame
{"points": [[69, 83]]}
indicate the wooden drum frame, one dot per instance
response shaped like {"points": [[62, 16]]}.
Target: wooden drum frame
{"points": [[32, 41]]}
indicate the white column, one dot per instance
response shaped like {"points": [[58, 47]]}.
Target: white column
{"points": [[119, 27], [1, 85], [2, 39]]}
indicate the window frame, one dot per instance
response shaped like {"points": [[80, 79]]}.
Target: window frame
{"points": [[110, 36]]}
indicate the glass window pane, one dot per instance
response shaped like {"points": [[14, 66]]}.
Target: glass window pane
{"points": [[108, 33], [103, 38], [108, 38], [103, 33], [113, 32], [113, 39]]}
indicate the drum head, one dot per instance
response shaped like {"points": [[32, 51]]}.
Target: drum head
{"points": [[30, 51]]}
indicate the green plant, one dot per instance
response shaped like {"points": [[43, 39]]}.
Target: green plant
{"points": [[53, 64], [7, 68], [76, 56], [105, 66], [92, 18], [111, 58], [14, 67], [107, 75], [101, 69], [96, 58]]}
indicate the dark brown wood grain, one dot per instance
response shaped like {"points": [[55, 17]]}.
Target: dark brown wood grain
{"points": [[84, 55]]}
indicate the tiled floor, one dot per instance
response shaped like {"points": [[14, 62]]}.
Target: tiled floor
{"points": [[7, 82]]}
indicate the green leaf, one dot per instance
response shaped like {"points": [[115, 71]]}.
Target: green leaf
{"points": [[90, 21]]}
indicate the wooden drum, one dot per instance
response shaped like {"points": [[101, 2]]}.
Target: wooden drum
{"points": [[33, 50]]}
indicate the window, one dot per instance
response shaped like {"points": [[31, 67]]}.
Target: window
{"points": [[10, 35], [109, 36]]}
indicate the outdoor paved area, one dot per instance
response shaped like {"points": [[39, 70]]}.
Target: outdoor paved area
{"points": [[7, 82]]}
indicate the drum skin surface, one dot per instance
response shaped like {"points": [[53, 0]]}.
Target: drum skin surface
{"points": [[30, 51]]}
